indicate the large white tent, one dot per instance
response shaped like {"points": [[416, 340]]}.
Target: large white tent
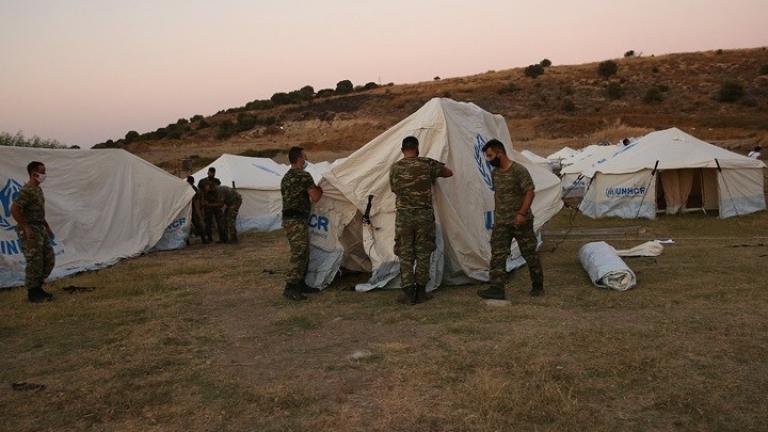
{"points": [[563, 153], [573, 177], [451, 132], [258, 181], [673, 171], [538, 160], [103, 205]]}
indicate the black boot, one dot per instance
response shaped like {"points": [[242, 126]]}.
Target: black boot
{"points": [[408, 296], [306, 289], [492, 293], [45, 293], [36, 296], [537, 291], [421, 294], [293, 292]]}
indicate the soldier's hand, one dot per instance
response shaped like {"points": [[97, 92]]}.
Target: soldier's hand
{"points": [[27, 232], [519, 219]]}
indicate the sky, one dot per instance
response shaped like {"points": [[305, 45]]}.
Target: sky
{"points": [[84, 71]]}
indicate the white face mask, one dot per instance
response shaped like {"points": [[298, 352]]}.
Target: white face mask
{"points": [[40, 178]]}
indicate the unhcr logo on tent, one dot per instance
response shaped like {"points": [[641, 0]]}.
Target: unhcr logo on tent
{"points": [[624, 191], [483, 166], [9, 192]]}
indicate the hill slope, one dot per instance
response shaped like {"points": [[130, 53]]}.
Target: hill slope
{"points": [[567, 105]]}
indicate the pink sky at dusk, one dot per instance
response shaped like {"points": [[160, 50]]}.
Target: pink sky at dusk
{"points": [[83, 71]]}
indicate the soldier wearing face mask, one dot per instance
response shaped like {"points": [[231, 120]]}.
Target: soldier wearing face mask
{"points": [[35, 235]]}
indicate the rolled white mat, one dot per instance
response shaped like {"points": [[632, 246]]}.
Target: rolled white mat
{"points": [[605, 268]]}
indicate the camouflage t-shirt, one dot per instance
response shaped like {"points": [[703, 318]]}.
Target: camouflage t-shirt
{"points": [[32, 204], [294, 188], [411, 180], [229, 196], [511, 186]]}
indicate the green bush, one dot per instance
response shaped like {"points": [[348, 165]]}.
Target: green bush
{"points": [[258, 105], [630, 53], [508, 88], [764, 69], [545, 63], [653, 95], [19, 140], [225, 130], [245, 122], [196, 118], [533, 71], [202, 124], [655, 69], [307, 92], [280, 98], [607, 69], [344, 87], [730, 91], [371, 85], [437, 78], [615, 91], [324, 93], [131, 136]]}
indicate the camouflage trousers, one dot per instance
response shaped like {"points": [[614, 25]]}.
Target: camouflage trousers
{"points": [[39, 254], [501, 240], [297, 232], [414, 244], [230, 219], [214, 215]]}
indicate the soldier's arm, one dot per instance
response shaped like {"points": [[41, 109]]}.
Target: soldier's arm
{"points": [[445, 172], [18, 215], [315, 193]]}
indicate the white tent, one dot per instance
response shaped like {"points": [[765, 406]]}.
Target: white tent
{"points": [[573, 178], [538, 160], [258, 181], [449, 131], [672, 171], [563, 153], [103, 205]]}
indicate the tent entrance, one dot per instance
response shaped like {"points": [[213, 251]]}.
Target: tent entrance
{"points": [[356, 258], [687, 190]]}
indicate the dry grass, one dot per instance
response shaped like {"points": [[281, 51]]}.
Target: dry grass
{"points": [[200, 339]]}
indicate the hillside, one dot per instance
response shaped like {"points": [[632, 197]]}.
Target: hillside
{"points": [[566, 105]]}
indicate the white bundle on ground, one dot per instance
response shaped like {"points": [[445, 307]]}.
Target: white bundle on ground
{"points": [[648, 249], [605, 268]]}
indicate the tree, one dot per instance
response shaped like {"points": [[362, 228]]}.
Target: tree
{"points": [[533, 71], [196, 118], [324, 93], [307, 92], [545, 63], [370, 86], [344, 87], [131, 136], [630, 53], [280, 98], [607, 68]]}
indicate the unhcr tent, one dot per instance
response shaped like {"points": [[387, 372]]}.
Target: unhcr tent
{"points": [[451, 132], [103, 205], [673, 172], [538, 160], [563, 153], [258, 181], [573, 177]]}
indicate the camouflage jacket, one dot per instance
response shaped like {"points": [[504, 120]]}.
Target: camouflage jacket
{"points": [[294, 188], [32, 204], [511, 186], [411, 180]]}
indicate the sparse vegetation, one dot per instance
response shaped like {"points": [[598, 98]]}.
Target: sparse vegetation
{"points": [[131, 136], [325, 93], [371, 85], [534, 70], [262, 153], [545, 63], [437, 78], [225, 129], [614, 90], [764, 69], [344, 87], [730, 91], [630, 53], [607, 69], [655, 69], [653, 95], [508, 88], [19, 140], [568, 105]]}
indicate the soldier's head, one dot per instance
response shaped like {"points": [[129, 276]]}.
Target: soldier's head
{"points": [[211, 172], [297, 157], [36, 171], [625, 141], [191, 180], [495, 153], [410, 146], [758, 149]]}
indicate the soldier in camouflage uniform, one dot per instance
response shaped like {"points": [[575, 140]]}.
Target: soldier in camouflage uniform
{"points": [[513, 219], [35, 235], [198, 227], [212, 214], [224, 197], [411, 180], [299, 191]]}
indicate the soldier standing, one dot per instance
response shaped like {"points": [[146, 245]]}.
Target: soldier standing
{"points": [[198, 227], [228, 199], [28, 209], [211, 213], [411, 179], [513, 219], [299, 191]]}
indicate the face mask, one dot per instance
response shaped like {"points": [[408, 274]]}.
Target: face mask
{"points": [[40, 178], [495, 162], [306, 164]]}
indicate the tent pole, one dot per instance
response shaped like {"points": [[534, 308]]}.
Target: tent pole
{"points": [[645, 192], [727, 188]]}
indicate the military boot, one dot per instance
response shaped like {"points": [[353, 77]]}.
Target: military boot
{"points": [[306, 289], [537, 291], [45, 293], [408, 296], [293, 292], [492, 293], [421, 294], [35, 296]]}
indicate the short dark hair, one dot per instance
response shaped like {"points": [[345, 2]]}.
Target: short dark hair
{"points": [[410, 143], [758, 148], [212, 169], [33, 166], [190, 180], [496, 145], [625, 141], [295, 153]]}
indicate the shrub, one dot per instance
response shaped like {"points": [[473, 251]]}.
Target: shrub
{"points": [[509, 88], [19, 140], [182, 122], [437, 78], [607, 69], [718, 52], [370, 86], [196, 118], [307, 92], [280, 98], [225, 130], [655, 69], [749, 101], [662, 88], [263, 153], [615, 91], [545, 63], [764, 69], [344, 87], [131, 136], [730, 91], [567, 90], [630, 53], [568, 105], [325, 93], [653, 95], [534, 70], [258, 105], [245, 122], [203, 124]]}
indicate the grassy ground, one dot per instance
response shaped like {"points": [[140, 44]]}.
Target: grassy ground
{"points": [[200, 339]]}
